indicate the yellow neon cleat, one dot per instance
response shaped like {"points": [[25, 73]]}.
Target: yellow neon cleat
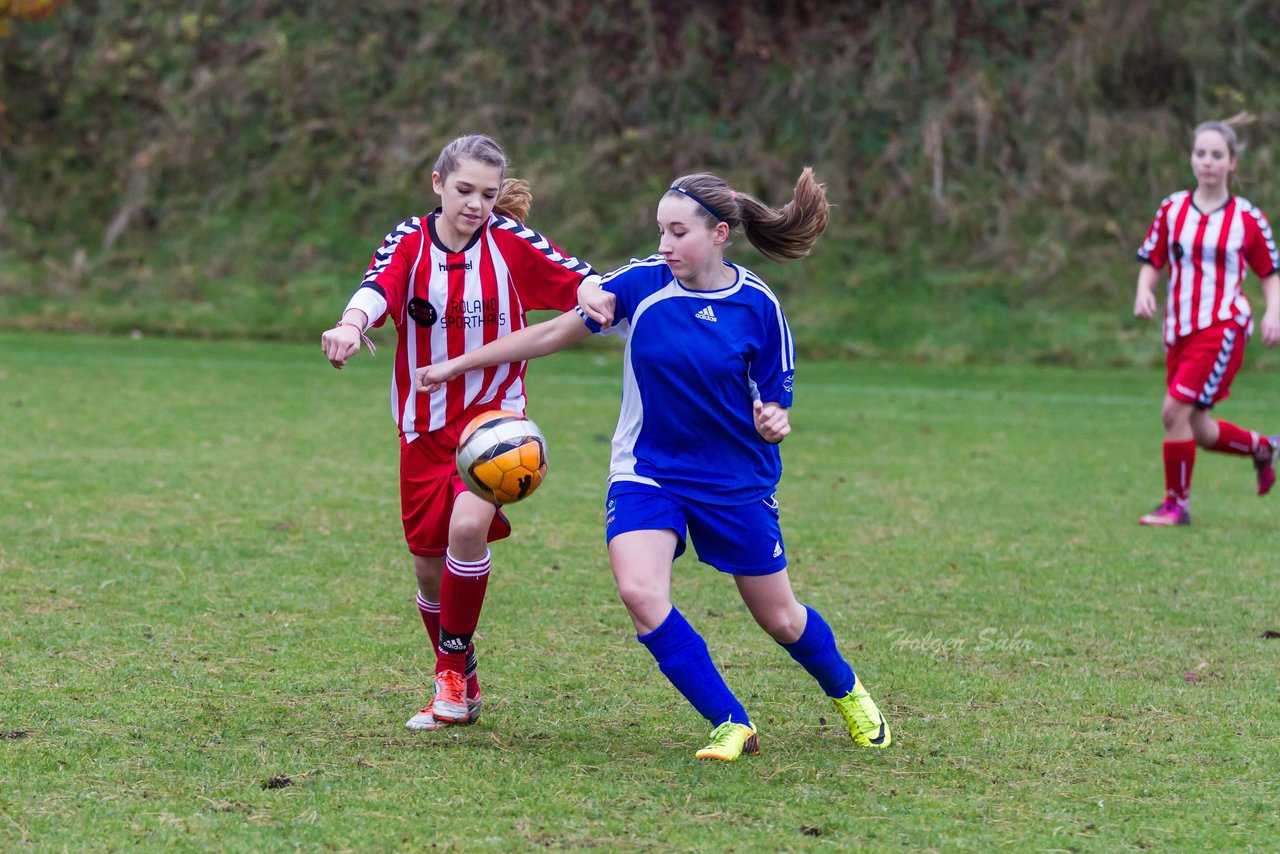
{"points": [[729, 741], [866, 725]]}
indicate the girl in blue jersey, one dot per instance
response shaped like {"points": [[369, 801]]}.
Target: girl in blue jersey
{"points": [[707, 384]]}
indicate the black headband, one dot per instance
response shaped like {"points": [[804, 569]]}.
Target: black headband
{"points": [[715, 213]]}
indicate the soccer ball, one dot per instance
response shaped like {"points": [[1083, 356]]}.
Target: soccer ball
{"points": [[502, 456]]}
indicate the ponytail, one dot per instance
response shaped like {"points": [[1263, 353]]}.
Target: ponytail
{"points": [[777, 233], [514, 199]]}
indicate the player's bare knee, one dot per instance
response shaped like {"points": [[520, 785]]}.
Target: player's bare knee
{"points": [[468, 533], [428, 581], [428, 572], [1175, 415], [781, 625], [641, 597], [1204, 437]]}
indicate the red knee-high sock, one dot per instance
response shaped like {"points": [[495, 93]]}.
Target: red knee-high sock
{"points": [[1179, 459], [430, 612], [1236, 440], [461, 598]]}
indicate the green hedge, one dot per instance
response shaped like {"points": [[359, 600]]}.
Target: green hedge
{"points": [[227, 167]]}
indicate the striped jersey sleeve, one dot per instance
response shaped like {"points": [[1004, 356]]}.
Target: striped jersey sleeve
{"points": [[1259, 242], [385, 286], [544, 276], [1155, 248]]}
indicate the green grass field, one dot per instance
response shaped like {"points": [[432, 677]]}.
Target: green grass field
{"points": [[209, 639]]}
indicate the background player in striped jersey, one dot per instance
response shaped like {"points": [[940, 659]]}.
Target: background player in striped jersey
{"points": [[1207, 237], [707, 383], [451, 281]]}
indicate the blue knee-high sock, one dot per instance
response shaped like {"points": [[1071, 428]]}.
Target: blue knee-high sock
{"points": [[683, 658], [816, 651]]}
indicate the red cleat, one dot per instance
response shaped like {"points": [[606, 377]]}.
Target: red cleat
{"points": [[450, 703], [1266, 466]]}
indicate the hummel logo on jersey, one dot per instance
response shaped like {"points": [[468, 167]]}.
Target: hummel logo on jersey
{"points": [[707, 314], [777, 548]]}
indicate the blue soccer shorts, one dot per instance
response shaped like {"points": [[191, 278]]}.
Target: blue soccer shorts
{"points": [[737, 539]]}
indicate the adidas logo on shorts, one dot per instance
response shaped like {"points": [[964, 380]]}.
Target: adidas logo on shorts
{"points": [[777, 548], [707, 314]]}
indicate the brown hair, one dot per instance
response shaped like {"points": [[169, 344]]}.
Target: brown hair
{"points": [[514, 196], [778, 233], [1228, 133]]}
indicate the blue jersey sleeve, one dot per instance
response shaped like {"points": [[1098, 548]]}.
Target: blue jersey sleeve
{"points": [[773, 366], [629, 285]]}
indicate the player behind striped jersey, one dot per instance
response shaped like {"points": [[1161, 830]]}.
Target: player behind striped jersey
{"points": [[451, 281], [1208, 238], [707, 385]]}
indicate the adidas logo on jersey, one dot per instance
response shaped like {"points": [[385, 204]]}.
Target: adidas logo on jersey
{"points": [[777, 548], [706, 314]]}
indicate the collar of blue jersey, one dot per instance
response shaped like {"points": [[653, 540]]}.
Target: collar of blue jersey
{"points": [[715, 213]]}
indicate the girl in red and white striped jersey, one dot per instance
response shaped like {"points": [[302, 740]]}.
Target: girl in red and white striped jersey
{"points": [[451, 281], [1207, 237]]}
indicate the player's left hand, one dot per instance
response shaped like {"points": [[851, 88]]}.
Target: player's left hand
{"points": [[773, 422]]}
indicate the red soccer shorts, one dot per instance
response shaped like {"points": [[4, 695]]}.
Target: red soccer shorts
{"points": [[1201, 366], [429, 483]]}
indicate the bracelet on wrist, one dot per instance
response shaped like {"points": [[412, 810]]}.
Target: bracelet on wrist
{"points": [[373, 351]]}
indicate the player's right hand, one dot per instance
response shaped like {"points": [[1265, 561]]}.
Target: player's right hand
{"points": [[1144, 304], [340, 343], [428, 380]]}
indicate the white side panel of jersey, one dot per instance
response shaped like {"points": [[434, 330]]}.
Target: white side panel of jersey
{"points": [[622, 465]]}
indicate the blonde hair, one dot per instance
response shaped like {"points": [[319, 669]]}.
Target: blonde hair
{"points": [[777, 233], [514, 195]]}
